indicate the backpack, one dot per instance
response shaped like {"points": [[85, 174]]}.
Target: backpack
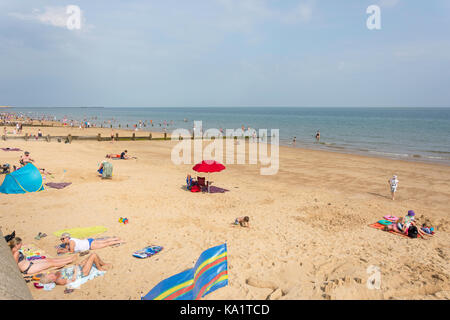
{"points": [[412, 232], [107, 170]]}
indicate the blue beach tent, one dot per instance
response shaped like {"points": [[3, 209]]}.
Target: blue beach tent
{"points": [[26, 179]]}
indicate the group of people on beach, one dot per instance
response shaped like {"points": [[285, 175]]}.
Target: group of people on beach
{"points": [[23, 161], [317, 136], [70, 246], [407, 225]]}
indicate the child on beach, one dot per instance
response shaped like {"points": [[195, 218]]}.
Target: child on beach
{"points": [[242, 221], [393, 183]]}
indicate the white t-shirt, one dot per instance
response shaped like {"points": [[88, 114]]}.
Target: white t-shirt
{"points": [[394, 183], [80, 245]]}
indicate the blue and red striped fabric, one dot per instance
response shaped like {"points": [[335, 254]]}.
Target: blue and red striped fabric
{"points": [[209, 274]]}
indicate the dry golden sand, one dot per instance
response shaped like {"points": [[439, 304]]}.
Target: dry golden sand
{"points": [[309, 235]]}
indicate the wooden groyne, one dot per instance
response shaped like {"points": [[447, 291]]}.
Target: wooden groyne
{"points": [[69, 138]]}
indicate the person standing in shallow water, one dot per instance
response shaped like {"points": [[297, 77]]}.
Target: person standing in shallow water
{"points": [[318, 135]]}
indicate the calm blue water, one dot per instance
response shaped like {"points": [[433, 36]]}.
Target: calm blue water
{"points": [[407, 133]]}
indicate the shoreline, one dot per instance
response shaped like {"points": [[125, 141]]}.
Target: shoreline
{"points": [[126, 134]]}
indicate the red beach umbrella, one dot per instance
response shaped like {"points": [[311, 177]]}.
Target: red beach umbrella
{"points": [[208, 166]]}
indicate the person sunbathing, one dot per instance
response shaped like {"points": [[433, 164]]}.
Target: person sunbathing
{"points": [[426, 230], [79, 271], [35, 266], [242, 221], [25, 159], [122, 156], [78, 245]]}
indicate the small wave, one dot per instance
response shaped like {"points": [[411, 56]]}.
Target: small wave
{"points": [[391, 154], [336, 147], [438, 152]]}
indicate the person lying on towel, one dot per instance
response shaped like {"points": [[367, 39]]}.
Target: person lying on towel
{"points": [[77, 245], [122, 156], [80, 270], [35, 266]]}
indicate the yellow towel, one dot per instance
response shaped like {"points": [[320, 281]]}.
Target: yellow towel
{"points": [[82, 233]]}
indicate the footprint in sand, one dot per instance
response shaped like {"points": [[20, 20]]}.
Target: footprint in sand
{"points": [[276, 294]]}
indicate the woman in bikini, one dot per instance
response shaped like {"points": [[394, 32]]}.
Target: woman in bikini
{"points": [[80, 270], [32, 267]]}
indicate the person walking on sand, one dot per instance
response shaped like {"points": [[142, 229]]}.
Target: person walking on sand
{"points": [[393, 183], [112, 135]]}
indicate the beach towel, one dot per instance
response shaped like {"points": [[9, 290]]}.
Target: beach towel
{"points": [[82, 233], [213, 189], [58, 185], [147, 252], [379, 226], [67, 273], [81, 280], [11, 149], [31, 252]]}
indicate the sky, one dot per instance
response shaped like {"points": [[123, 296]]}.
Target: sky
{"points": [[206, 53]]}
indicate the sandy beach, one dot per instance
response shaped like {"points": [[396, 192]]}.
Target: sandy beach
{"points": [[308, 237]]}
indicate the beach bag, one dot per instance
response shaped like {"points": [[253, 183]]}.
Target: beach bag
{"points": [[107, 170], [195, 188], [412, 232]]}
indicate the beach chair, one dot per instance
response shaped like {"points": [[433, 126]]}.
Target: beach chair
{"points": [[202, 183]]}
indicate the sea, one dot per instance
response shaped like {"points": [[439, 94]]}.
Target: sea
{"points": [[416, 134]]}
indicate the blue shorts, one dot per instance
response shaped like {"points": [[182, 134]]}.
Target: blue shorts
{"points": [[90, 241]]}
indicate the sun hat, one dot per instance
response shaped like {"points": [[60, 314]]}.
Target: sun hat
{"points": [[65, 235]]}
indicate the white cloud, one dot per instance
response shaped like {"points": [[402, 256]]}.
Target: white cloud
{"points": [[53, 16]]}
